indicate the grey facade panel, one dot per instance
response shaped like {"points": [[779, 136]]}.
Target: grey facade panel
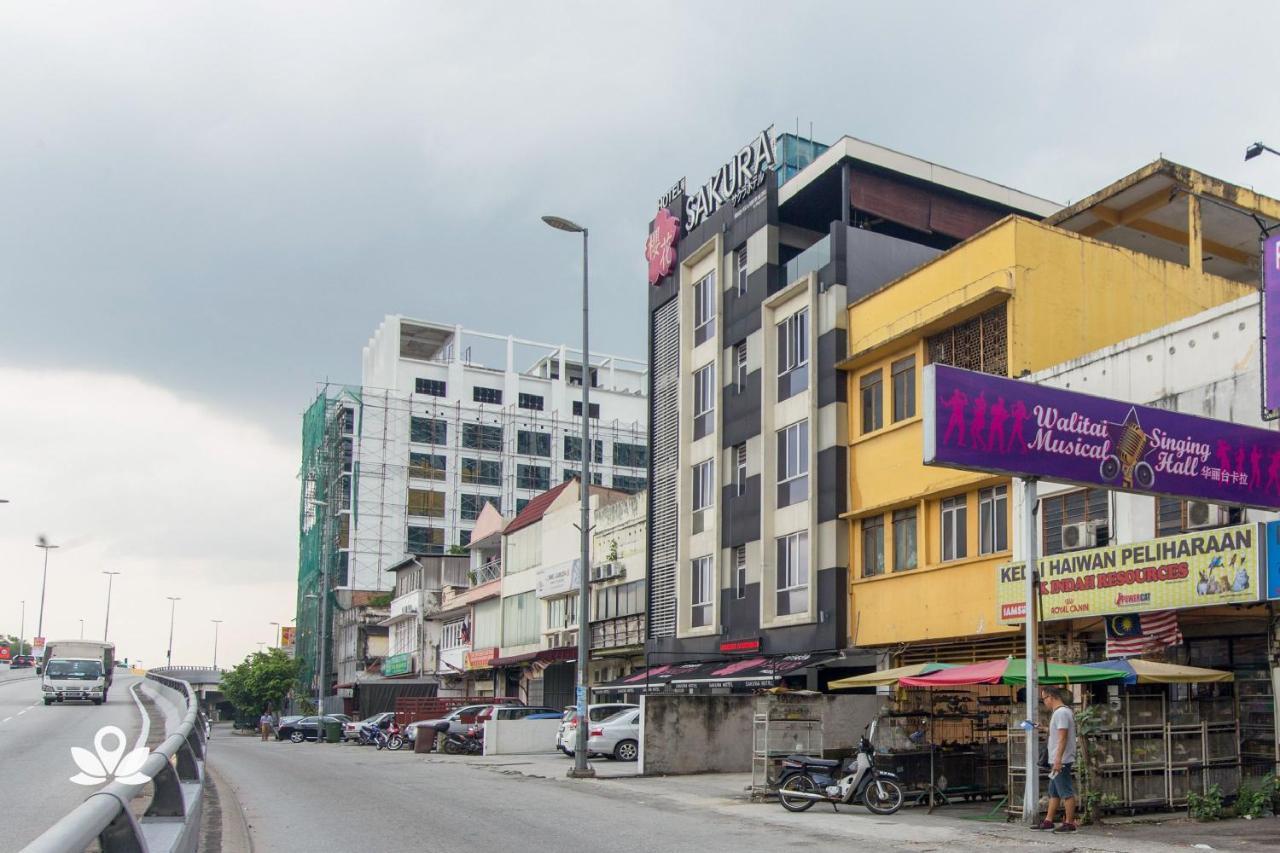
{"points": [[741, 412], [832, 383], [740, 514], [664, 471], [873, 260], [833, 469]]}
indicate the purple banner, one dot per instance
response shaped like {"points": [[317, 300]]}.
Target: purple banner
{"points": [[990, 423], [1271, 319]]}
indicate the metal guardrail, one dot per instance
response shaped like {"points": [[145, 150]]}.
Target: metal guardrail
{"points": [[171, 822]]}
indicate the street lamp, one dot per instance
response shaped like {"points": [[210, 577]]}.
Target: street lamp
{"points": [[43, 543], [580, 769], [1256, 149], [173, 606], [216, 623], [82, 629], [111, 576], [22, 629]]}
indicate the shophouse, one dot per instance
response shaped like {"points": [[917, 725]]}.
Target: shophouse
{"points": [[617, 582], [1019, 297], [414, 639], [751, 273]]}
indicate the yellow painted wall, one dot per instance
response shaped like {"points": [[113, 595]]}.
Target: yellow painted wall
{"points": [[1067, 295]]}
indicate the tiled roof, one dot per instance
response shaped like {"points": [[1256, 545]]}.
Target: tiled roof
{"points": [[536, 508]]}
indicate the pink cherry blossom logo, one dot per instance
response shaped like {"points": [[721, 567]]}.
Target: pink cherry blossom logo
{"points": [[108, 763], [660, 248]]}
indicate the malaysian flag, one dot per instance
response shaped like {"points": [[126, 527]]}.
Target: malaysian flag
{"points": [[1136, 633]]}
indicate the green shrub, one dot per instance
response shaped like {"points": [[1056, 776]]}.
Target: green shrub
{"points": [[1206, 806]]}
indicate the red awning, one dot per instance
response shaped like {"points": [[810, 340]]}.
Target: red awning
{"points": [[550, 655], [987, 672]]}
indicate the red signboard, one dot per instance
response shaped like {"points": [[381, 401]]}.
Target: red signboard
{"points": [[732, 646], [4, 651], [660, 248]]}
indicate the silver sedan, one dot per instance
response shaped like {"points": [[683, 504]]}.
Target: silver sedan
{"points": [[616, 737]]}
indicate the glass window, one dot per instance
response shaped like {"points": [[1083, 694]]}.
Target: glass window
{"points": [[597, 479], [872, 401], [955, 524], [464, 538], [425, 540], [521, 503], [904, 388], [532, 443], [531, 401], [630, 485], [631, 455], [701, 592], [993, 520], [562, 612], [427, 466], [573, 449], [480, 394], [430, 387], [704, 309], [873, 546], [793, 463], [740, 469], [704, 487], [451, 634], [740, 572], [482, 472], [426, 503], [1075, 507], [592, 412], [740, 268], [481, 437], [537, 477], [704, 400], [904, 540], [428, 431], [1170, 517], [793, 573], [469, 506], [793, 354], [740, 366], [520, 619]]}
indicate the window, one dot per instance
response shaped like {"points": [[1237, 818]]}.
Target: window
{"points": [[740, 367], [704, 309], [793, 573], [573, 449], [740, 469], [955, 524], [904, 540], [537, 477], [530, 401], [701, 592], [793, 464], [451, 635], [425, 540], [521, 503], [482, 472], [740, 269], [704, 487], [593, 411], [793, 354], [993, 520], [704, 400], [596, 476], [426, 503], [740, 572], [464, 538], [480, 437], [469, 506], [630, 485], [347, 417], [428, 466], [428, 431], [612, 602], [1170, 517], [562, 612], [980, 343], [480, 394], [532, 443], [430, 387], [520, 619], [903, 372], [872, 401], [873, 546], [1070, 508], [630, 455]]}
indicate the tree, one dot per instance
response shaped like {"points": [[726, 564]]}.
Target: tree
{"points": [[260, 681], [16, 646]]}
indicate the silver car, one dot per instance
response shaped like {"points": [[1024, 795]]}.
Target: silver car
{"points": [[617, 737], [567, 736]]}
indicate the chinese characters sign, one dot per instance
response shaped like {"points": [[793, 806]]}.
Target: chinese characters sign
{"points": [[990, 423], [660, 248], [1271, 318], [1192, 570]]}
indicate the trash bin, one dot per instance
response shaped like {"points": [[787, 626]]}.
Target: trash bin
{"points": [[332, 731]]}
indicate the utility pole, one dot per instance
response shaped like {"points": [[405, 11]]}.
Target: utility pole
{"points": [[173, 606], [22, 630], [1030, 538], [42, 543], [106, 622], [216, 623]]}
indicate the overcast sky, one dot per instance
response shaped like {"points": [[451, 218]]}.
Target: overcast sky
{"points": [[206, 208]]}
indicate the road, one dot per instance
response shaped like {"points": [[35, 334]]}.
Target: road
{"points": [[35, 750]]}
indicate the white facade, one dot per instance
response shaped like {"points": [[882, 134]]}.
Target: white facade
{"points": [[450, 419], [1204, 365]]}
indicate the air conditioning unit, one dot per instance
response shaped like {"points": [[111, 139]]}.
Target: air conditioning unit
{"points": [[597, 572], [615, 570], [1201, 515], [1084, 534]]}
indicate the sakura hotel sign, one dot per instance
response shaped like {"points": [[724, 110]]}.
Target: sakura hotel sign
{"points": [[990, 423]]}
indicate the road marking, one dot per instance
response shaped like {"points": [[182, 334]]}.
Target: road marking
{"points": [[23, 711], [142, 712], [6, 719]]}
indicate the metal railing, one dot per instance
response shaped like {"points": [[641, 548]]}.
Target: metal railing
{"points": [[171, 822]]}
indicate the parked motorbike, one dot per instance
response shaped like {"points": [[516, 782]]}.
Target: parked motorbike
{"points": [[390, 737], [456, 744], [854, 780]]}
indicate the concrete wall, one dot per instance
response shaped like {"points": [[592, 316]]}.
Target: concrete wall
{"points": [[713, 734], [520, 737]]}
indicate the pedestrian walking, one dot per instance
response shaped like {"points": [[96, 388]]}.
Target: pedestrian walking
{"points": [[264, 724], [1062, 755]]}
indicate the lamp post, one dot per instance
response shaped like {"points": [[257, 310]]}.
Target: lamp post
{"points": [[216, 623], [106, 621], [580, 768], [173, 607], [1256, 149], [42, 543], [22, 629], [82, 629]]}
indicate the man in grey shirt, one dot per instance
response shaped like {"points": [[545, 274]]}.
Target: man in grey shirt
{"points": [[1062, 755]]}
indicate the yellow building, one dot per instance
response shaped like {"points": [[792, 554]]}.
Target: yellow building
{"points": [[1017, 297]]}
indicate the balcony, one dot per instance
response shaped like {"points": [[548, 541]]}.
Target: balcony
{"points": [[617, 633], [490, 571], [810, 260]]}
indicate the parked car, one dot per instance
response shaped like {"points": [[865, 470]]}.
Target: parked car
{"points": [[510, 712], [306, 728], [21, 661], [459, 720], [616, 737], [351, 728], [567, 736]]}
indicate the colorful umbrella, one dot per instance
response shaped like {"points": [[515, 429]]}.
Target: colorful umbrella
{"points": [[1013, 671], [1140, 671], [889, 676]]}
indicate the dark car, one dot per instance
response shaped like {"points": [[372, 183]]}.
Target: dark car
{"points": [[306, 728], [21, 661]]}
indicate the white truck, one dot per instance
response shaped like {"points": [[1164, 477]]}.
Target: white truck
{"points": [[77, 670]]}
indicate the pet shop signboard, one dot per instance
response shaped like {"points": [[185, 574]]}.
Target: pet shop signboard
{"points": [[1174, 572], [990, 423]]}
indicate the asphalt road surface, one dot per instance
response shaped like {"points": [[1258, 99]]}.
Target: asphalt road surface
{"points": [[35, 751]]}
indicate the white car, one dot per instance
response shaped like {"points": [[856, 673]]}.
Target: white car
{"points": [[617, 737], [459, 720], [567, 736]]}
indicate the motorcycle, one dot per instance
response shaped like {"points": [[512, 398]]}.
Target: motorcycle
{"points": [[390, 738], [456, 744], [855, 780]]}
